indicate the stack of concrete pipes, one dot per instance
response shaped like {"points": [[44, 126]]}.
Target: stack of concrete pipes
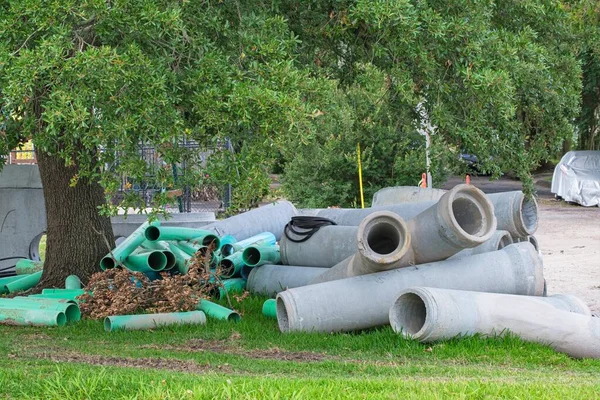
{"points": [[460, 263]]}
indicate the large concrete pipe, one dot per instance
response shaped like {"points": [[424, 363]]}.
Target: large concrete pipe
{"points": [[430, 314], [325, 248], [363, 301], [269, 280], [405, 194], [498, 241], [463, 218], [514, 213], [270, 218]]}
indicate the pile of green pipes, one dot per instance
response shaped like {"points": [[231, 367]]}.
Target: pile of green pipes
{"points": [[151, 249], [53, 307]]}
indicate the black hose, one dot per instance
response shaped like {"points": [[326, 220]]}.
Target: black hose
{"points": [[10, 266], [309, 226]]}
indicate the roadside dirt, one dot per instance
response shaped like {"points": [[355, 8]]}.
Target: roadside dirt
{"points": [[569, 238]]}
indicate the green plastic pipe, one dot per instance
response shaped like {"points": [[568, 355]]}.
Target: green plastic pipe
{"points": [[72, 282], [71, 311], [231, 265], [26, 266], [35, 298], [269, 308], [25, 317], [164, 247], [26, 282], [154, 260], [4, 281], [255, 256], [151, 321], [225, 248], [57, 296], [217, 311], [205, 238], [235, 285], [265, 238], [181, 258], [127, 246], [193, 248], [64, 291]]}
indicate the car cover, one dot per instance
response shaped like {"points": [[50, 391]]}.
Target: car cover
{"points": [[577, 178]]}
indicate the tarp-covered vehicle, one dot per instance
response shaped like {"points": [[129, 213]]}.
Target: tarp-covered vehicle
{"points": [[577, 178]]}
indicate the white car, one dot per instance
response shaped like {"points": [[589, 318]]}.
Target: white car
{"points": [[577, 178]]}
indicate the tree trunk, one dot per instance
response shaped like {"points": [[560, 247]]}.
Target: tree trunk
{"points": [[77, 235]]}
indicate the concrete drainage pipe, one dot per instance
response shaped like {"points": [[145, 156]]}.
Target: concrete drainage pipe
{"points": [[564, 322], [364, 301]]}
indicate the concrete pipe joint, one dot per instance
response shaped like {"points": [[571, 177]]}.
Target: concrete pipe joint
{"points": [[364, 301], [463, 218], [563, 322]]}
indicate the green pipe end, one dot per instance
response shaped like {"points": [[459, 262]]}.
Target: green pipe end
{"points": [[107, 262], [269, 308], [107, 324], [152, 233], [251, 256], [61, 319], [72, 282]]}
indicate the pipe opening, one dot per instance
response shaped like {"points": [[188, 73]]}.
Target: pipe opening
{"points": [[410, 313], [282, 316], [107, 263], [171, 261], [384, 238], [107, 324], [211, 240], [72, 313], [534, 242], [61, 319], [504, 241], [227, 268], [529, 214], [251, 256], [152, 233], [245, 272], [227, 249], [468, 215], [234, 317], [157, 260]]}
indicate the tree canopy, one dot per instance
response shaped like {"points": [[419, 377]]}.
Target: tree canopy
{"points": [[294, 85]]}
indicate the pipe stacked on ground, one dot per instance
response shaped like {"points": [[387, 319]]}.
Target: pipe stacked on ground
{"points": [[498, 241], [201, 236], [269, 218], [514, 212], [151, 321], [563, 322], [363, 301], [268, 280], [126, 247], [463, 218], [233, 263]]}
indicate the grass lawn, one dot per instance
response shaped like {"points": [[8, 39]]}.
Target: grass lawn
{"points": [[253, 359]]}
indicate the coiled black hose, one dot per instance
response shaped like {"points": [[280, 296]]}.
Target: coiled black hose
{"points": [[309, 226]]}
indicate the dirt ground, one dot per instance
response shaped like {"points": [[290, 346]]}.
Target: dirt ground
{"points": [[569, 238]]}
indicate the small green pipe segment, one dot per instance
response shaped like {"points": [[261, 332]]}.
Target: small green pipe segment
{"points": [[64, 291], [32, 317], [151, 261], [226, 242], [235, 285], [36, 298], [269, 308], [265, 238], [25, 283], [193, 249], [72, 282], [127, 246], [181, 258], [231, 265], [217, 311], [255, 256], [70, 310], [151, 321], [57, 296], [26, 266], [203, 237], [4, 281]]}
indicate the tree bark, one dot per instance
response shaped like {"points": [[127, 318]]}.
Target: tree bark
{"points": [[77, 235]]}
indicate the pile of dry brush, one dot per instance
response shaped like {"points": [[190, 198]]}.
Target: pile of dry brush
{"points": [[122, 292]]}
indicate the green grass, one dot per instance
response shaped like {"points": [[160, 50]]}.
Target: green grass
{"points": [[253, 359]]}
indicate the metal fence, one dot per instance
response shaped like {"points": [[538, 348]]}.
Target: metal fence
{"points": [[199, 199]]}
